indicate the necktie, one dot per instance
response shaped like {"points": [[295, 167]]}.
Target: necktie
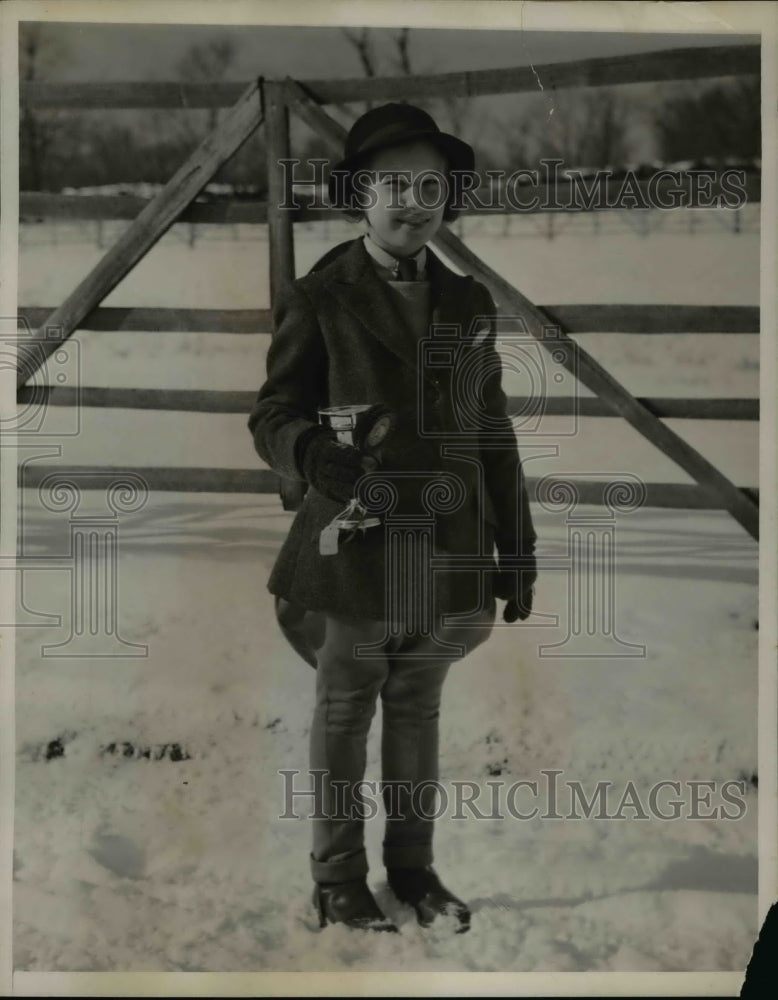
{"points": [[406, 269]]}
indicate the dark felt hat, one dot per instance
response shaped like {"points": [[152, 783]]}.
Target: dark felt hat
{"points": [[394, 125]]}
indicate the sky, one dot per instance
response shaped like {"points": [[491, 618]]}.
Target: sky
{"points": [[150, 52]]}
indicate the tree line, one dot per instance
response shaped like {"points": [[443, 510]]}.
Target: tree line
{"points": [[710, 122]]}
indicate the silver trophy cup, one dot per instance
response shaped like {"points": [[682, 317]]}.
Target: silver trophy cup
{"points": [[363, 426]]}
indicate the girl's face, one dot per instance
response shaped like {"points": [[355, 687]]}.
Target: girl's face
{"points": [[406, 196]]}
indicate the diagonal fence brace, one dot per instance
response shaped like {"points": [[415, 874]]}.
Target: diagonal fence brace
{"points": [[577, 360]]}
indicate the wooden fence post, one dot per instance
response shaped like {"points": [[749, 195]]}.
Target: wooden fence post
{"points": [[279, 188], [280, 224]]}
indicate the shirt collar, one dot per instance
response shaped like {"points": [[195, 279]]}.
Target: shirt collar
{"points": [[390, 263]]}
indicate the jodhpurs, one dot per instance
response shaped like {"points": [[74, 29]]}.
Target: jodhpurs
{"points": [[408, 672]]}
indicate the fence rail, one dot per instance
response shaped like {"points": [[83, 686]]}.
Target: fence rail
{"points": [[124, 319], [204, 480], [671, 64], [35, 205], [653, 319], [564, 196], [239, 401]]}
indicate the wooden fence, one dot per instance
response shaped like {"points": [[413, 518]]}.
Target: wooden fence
{"points": [[271, 102]]}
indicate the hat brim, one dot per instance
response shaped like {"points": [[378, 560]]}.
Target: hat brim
{"points": [[459, 154]]}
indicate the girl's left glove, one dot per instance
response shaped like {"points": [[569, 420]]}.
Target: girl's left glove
{"points": [[514, 582]]}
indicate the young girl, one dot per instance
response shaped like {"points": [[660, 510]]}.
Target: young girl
{"points": [[365, 327]]}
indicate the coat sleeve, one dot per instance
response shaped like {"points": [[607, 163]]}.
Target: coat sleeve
{"points": [[296, 384], [503, 473]]}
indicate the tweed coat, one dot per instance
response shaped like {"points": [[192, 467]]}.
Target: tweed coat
{"points": [[340, 339]]}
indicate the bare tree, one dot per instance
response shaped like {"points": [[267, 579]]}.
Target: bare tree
{"points": [[581, 128], [170, 134], [712, 122], [402, 41], [362, 42], [209, 62]]}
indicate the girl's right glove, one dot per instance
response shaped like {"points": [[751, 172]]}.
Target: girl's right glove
{"points": [[329, 465], [514, 582]]}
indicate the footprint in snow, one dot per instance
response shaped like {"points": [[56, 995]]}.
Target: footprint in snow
{"points": [[118, 854]]}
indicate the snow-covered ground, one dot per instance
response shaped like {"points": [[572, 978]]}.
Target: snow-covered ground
{"points": [[182, 864], [164, 864]]}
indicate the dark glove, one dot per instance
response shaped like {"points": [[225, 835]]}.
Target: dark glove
{"points": [[329, 465], [513, 583]]}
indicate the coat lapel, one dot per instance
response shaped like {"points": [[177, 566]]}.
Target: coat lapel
{"points": [[448, 292], [359, 289]]}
